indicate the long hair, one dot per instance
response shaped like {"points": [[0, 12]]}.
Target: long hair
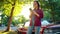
{"points": [[37, 3]]}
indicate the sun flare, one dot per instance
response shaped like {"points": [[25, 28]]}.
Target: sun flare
{"points": [[26, 11]]}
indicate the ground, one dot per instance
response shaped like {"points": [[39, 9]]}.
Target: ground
{"points": [[9, 32]]}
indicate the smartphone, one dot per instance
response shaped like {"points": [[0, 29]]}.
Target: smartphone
{"points": [[30, 9]]}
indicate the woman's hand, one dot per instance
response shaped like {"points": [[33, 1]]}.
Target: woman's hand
{"points": [[35, 13]]}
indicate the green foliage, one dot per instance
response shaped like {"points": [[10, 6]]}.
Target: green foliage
{"points": [[52, 7], [15, 22], [5, 20], [22, 19], [19, 20], [18, 6], [6, 7]]}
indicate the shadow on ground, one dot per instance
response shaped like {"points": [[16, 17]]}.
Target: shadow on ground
{"points": [[10, 32]]}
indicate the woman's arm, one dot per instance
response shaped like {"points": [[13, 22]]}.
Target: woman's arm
{"points": [[39, 13], [36, 13], [31, 12]]}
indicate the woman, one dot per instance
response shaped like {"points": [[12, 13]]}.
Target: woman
{"points": [[35, 18]]}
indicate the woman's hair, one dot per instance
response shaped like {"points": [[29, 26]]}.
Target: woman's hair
{"points": [[37, 3]]}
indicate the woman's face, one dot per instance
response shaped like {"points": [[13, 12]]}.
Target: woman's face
{"points": [[35, 5]]}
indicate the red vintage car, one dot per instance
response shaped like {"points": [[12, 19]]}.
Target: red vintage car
{"points": [[49, 29], [23, 31]]}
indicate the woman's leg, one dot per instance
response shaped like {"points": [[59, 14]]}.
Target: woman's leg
{"points": [[37, 29], [30, 29]]}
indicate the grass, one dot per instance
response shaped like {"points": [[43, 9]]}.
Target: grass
{"points": [[9, 32]]}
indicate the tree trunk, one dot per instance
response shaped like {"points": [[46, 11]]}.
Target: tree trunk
{"points": [[10, 19]]}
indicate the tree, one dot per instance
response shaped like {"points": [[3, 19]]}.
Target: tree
{"points": [[52, 7], [11, 15], [10, 8]]}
